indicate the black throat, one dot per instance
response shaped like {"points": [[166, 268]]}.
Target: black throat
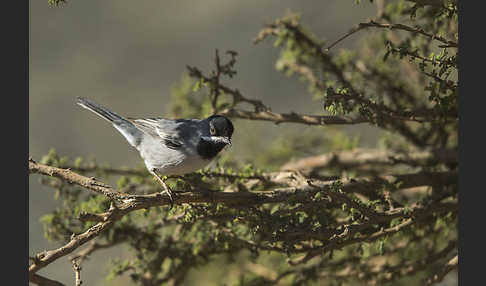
{"points": [[208, 150]]}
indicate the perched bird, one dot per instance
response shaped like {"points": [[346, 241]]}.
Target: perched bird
{"points": [[170, 146]]}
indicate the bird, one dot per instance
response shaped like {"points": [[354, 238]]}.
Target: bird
{"points": [[170, 146]]}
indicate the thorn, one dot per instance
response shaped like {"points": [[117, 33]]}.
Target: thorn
{"points": [[112, 206]]}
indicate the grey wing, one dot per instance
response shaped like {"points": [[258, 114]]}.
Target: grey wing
{"points": [[175, 134]]}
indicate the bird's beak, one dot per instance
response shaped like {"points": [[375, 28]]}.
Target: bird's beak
{"points": [[226, 140], [217, 139]]}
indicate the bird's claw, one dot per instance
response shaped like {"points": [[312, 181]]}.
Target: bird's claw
{"points": [[167, 190], [171, 194]]}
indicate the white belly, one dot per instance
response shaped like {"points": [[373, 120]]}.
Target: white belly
{"points": [[188, 165], [167, 161]]}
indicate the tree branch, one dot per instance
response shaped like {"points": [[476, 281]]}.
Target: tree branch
{"points": [[47, 257], [359, 185], [367, 157], [94, 246], [127, 203], [71, 177], [348, 236], [373, 24], [77, 273], [278, 118], [448, 267], [43, 281], [435, 3]]}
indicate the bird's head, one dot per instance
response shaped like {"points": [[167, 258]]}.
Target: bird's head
{"points": [[220, 130]]}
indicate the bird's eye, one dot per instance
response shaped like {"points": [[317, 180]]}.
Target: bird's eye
{"points": [[212, 130]]}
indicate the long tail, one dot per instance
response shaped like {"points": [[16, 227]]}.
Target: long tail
{"points": [[104, 112], [126, 128]]}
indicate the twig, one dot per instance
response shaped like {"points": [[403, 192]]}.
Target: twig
{"points": [[347, 237], [278, 118], [77, 273], [373, 24], [448, 267], [352, 31], [214, 99], [408, 268], [435, 3], [71, 177], [45, 258], [372, 157], [94, 246], [43, 281], [236, 94]]}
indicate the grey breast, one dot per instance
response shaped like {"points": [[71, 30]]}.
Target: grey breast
{"points": [[169, 144]]}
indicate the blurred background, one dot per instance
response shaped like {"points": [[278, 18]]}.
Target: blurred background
{"points": [[127, 55]]}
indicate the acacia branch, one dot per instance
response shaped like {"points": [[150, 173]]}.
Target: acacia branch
{"points": [[77, 273], [293, 117], [407, 268], [291, 24], [373, 24], [377, 113], [359, 185], [367, 157], [235, 93], [94, 246], [263, 112], [71, 177], [350, 234], [415, 55], [127, 203], [435, 3], [43, 281], [289, 178], [45, 258], [448, 267]]}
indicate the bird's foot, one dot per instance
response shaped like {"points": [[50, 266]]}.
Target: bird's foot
{"points": [[167, 190], [170, 193]]}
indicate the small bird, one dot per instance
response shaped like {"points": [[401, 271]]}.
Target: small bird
{"points": [[170, 146]]}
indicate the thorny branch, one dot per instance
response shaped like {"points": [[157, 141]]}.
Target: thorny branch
{"points": [[373, 24], [41, 280], [372, 157], [77, 273], [263, 112], [387, 272], [435, 3], [448, 267], [356, 185], [348, 236], [293, 117], [235, 93], [92, 247], [125, 203], [342, 159]]}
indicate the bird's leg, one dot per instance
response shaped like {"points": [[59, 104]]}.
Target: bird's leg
{"points": [[167, 190]]}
